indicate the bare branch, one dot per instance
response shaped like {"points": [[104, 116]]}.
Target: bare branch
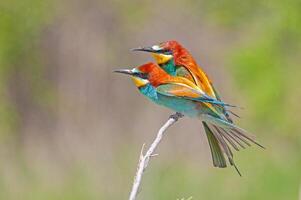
{"points": [[144, 159]]}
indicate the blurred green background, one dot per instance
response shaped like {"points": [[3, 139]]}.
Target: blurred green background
{"points": [[71, 129]]}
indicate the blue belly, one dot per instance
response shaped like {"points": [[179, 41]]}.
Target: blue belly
{"points": [[183, 106]]}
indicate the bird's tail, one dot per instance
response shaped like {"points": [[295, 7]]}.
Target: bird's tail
{"points": [[223, 135], [216, 151]]}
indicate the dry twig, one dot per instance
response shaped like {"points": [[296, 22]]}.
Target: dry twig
{"points": [[144, 159]]}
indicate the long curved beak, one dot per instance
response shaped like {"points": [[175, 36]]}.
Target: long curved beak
{"points": [[145, 49], [124, 71]]}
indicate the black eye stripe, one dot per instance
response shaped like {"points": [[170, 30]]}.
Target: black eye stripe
{"points": [[166, 52], [141, 75]]}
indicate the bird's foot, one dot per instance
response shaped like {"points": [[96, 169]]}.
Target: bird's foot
{"points": [[176, 116]]}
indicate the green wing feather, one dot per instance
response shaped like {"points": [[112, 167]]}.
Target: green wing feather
{"points": [[187, 92], [216, 151], [225, 135]]}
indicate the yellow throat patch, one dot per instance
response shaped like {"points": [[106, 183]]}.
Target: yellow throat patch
{"points": [[161, 58], [139, 82]]}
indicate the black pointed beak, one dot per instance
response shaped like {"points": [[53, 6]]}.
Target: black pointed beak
{"points": [[124, 71], [145, 49]]}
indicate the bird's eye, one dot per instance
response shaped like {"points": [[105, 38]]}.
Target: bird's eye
{"points": [[165, 52], [168, 52], [141, 75]]}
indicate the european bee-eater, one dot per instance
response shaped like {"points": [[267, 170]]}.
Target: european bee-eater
{"points": [[177, 61], [184, 96]]}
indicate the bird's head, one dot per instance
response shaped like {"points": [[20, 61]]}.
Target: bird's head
{"points": [[142, 75], [162, 52]]}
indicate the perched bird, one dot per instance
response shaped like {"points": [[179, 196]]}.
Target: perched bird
{"points": [[175, 60], [184, 96]]}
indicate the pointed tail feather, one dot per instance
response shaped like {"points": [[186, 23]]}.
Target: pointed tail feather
{"points": [[225, 147], [226, 135], [232, 129], [240, 137], [249, 137], [233, 113], [218, 147], [216, 152], [233, 138], [227, 138]]}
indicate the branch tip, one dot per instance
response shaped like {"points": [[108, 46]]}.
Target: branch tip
{"points": [[176, 116], [144, 159]]}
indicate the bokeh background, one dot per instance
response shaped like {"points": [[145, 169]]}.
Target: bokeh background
{"points": [[71, 129]]}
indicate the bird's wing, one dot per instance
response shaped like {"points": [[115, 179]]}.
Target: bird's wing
{"points": [[200, 78], [205, 82], [180, 90], [195, 74], [184, 72], [187, 92]]}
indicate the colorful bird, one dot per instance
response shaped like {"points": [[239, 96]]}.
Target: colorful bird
{"points": [[182, 95], [177, 61]]}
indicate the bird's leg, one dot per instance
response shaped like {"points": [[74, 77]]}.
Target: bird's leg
{"points": [[176, 116]]}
